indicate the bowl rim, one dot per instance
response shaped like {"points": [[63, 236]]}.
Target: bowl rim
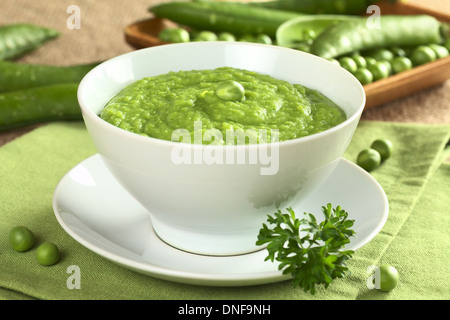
{"points": [[87, 112]]}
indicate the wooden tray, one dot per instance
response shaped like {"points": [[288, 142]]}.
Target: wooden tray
{"points": [[419, 78], [144, 34]]}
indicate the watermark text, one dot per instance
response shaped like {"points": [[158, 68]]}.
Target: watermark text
{"points": [[74, 20], [264, 153], [74, 280], [374, 21]]}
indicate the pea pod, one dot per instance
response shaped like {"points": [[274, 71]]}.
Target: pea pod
{"points": [[48, 103], [392, 31], [18, 39], [306, 28], [18, 76], [237, 18], [346, 7]]}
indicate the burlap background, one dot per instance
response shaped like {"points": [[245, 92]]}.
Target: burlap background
{"points": [[101, 37]]}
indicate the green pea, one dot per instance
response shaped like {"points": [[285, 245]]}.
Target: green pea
{"points": [[348, 64], [21, 238], [47, 254], [174, 35], [447, 44], [226, 36], [382, 54], [263, 38], [205, 36], [368, 159], [230, 90], [388, 65], [388, 278], [422, 55], [384, 148], [370, 61], [400, 64], [360, 60], [398, 52], [380, 70], [441, 51], [363, 75]]}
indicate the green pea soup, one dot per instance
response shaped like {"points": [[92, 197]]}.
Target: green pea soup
{"points": [[188, 101]]}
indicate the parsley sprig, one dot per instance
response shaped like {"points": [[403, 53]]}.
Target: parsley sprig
{"points": [[310, 251]]}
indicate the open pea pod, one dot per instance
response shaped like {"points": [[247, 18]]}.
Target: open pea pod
{"points": [[299, 31]]}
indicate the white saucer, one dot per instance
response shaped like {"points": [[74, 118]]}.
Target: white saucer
{"points": [[98, 213]]}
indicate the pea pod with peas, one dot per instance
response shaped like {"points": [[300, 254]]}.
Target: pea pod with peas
{"points": [[304, 29], [318, 6], [393, 30], [236, 18], [370, 53], [18, 39], [39, 104], [380, 64], [31, 93], [179, 34], [19, 76]]}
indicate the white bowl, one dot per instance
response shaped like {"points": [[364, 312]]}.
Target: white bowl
{"points": [[218, 209]]}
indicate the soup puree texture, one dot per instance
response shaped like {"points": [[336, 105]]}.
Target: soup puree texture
{"points": [[191, 101]]}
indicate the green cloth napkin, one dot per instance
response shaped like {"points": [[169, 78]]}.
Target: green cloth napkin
{"points": [[415, 238]]}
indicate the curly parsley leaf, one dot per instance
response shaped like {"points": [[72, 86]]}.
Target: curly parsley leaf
{"points": [[310, 251]]}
